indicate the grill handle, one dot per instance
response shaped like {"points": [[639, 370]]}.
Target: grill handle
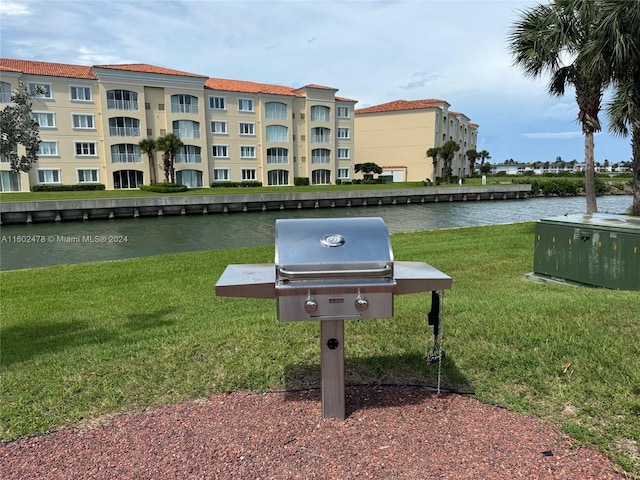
{"points": [[316, 274]]}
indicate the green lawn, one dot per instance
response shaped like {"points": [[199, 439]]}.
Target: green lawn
{"points": [[86, 340]]}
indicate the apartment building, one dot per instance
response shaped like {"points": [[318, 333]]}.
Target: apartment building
{"points": [[93, 117], [397, 135]]}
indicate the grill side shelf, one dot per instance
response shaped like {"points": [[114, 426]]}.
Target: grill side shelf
{"points": [[248, 281], [414, 277]]}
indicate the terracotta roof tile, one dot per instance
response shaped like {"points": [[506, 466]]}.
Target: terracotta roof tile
{"points": [[47, 69], [145, 68], [400, 105], [249, 87]]}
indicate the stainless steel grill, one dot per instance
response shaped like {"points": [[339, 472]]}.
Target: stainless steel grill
{"points": [[331, 270]]}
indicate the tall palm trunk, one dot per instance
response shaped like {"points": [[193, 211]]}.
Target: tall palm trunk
{"points": [[588, 97]]}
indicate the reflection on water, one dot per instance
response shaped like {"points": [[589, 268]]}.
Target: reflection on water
{"points": [[27, 246]]}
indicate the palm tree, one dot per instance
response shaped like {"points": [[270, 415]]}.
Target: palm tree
{"points": [[540, 42], [617, 39], [447, 151], [149, 146], [170, 144], [433, 153], [484, 155], [472, 156]]}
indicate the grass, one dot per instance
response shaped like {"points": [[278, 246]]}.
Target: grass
{"points": [[85, 340]]}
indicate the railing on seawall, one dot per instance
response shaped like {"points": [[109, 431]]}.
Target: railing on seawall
{"points": [[112, 208]]}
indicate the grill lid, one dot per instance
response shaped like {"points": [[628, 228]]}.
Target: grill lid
{"points": [[333, 247]]}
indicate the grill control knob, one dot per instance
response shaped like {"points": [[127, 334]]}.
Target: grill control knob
{"points": [[310, 305], [362, 304]]}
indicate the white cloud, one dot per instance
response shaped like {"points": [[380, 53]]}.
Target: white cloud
{"points": [[14, 9]]}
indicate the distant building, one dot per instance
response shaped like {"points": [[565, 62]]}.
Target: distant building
{"points": [[397, 135], [93, 117]]}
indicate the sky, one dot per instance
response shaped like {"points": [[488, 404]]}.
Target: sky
{"points": [[371, 51]]}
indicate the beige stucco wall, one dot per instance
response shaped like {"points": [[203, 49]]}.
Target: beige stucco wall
{"points": [[398, 139]]}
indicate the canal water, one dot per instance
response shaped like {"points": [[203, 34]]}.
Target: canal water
{"points": [[37, 245]]}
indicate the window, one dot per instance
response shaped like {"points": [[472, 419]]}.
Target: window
{"points": [[80, 94], [249, 174], [247, 128], [9, 182], [343, 132], [343, 153], [277, 133], [48, 149], [85, 149], [218, 127], [275, 110], [277, 155], [189, 154], [125, 153], [320, 155], [343, 112], [221, 174], [220, 151], [40, 90], [44, 119], [83, 121], [320, 113], [184, 104], [245, 105], [343, 173], [122, 100], [321, 177], [5, 93], [49, 176], [88, 175], [189, 178], [320, 135], [186, 129], [124, 127], [278, 177], [217, 103], [247, 151], [125, 179]]}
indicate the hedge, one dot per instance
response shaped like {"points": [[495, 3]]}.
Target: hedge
{"points": [[236, 184], [68, 188], [164, 188]]}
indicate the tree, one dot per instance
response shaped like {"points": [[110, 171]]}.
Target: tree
{"points": [[368, 169], [472, 156], [484, 155], [170, 144], [149, 146], [617, 39], [447, 151], [541, 41], [18, 127], [433, 153]]}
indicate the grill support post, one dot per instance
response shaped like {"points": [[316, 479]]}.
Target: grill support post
{"points": [[332, 367]]}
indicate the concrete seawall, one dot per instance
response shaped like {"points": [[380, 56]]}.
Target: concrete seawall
{"points": [[110, 208]]}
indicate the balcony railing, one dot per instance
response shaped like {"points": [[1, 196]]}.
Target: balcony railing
{"points": [[184, 108], [186, 133], [122, 104], [188, 158], [320, 138], [126, 158], [124, 131]]}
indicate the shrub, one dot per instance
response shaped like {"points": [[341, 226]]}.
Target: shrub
{"points": [[235, 184], [164, 188], [300, 181], [81, 187]]}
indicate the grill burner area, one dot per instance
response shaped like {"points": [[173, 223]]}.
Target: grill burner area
{"points": [[331, 270]]}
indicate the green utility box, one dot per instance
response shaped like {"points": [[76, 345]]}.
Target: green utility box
{"points": [[592, 249]]}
